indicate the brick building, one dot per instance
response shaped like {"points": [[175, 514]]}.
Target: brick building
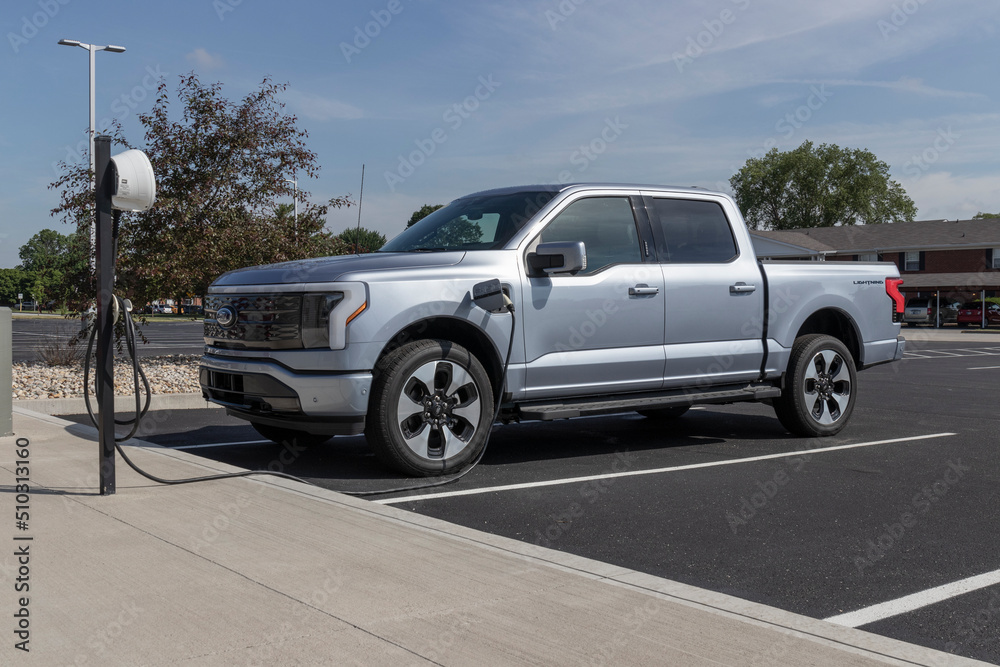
{"points": [[946, 259]]}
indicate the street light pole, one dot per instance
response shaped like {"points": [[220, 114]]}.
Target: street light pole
{"points": [[92, 48], [295, 202]]}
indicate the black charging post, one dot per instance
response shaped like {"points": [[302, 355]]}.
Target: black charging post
{"points": [[105, 370]]}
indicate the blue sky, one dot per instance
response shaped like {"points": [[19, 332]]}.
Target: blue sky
{"points": [[439, 98]]}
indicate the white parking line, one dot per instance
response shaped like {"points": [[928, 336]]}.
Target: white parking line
{"points": [[22, 335], [916, 601], [983, 368], [219, 444], [946, 354], [633, 473]]}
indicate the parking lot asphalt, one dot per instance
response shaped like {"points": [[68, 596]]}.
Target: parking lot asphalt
{"points": [[162, 338], [889, 526]]}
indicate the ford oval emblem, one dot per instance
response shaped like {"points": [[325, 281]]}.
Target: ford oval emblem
{"points": [[226, 316]]}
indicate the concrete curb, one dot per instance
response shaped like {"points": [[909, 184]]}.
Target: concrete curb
{"points": [[123, 404], [849, 640], [925, 335]]}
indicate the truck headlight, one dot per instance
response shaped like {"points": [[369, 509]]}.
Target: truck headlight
{"points": [[326, 315]]}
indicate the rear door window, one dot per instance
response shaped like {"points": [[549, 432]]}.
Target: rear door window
{"points": [[692, 231]]}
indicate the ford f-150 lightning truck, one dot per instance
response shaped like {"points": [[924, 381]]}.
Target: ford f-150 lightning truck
{"points": [[621, 298]]}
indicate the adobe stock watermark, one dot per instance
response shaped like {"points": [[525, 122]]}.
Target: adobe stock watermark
{"points": [[786, 126], [579, 334], [440, 645], [122, 107], [562, 12], [704, 39], [31, 25], [608, 652], [876, 549], [454, 117], [228, 514], [363, 35], [766, 492], [102, 641], [272, 651], [223, 7], [899, 16], [918, 165], [587, 153], [562, 522], [983, 620]]}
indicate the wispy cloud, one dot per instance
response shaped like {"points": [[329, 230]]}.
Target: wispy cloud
{"points": [[953, 197], [317, 107], [903, 85], [203, 59]]}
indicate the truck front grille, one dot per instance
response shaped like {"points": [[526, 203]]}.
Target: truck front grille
{"points": [[271, 321]]}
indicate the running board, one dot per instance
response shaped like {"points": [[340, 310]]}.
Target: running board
{"points": [[604, 406]]}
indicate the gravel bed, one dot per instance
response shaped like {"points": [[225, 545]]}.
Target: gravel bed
{"points": [[170, 374]]}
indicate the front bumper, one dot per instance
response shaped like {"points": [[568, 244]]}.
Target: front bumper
{"points": [[267, 392]]}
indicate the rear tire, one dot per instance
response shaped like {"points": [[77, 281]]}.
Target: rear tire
{"points": [[665, 413], [431, 408], [281, 436], [819, 393]]}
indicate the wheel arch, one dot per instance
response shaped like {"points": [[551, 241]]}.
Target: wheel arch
{"points": [[838, 324], [456, 330]]}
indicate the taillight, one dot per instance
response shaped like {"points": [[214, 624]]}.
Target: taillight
{"points": [[892, 289]]}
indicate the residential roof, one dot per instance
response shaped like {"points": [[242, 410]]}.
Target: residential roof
{"points": [[899, 236]]}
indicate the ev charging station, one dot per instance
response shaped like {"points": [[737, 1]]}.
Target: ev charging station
{"points": [[124, 182]]}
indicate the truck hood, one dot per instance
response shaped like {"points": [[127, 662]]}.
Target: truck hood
{"points": [[330, 269]]}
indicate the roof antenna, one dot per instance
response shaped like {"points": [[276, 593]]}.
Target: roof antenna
{"points": [[361, 197]]}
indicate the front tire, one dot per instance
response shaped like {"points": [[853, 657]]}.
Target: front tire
{"points": [[820, 387], [431, 408]]}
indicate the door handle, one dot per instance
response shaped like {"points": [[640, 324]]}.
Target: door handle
{"points": [[642, 289], [741, 288]]}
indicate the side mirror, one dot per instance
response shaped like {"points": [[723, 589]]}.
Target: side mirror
{"points": [[559, 257], [134, 182]]}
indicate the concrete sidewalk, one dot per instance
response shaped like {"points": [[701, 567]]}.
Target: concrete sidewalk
{"points": [[267, 571], [918, 334]]}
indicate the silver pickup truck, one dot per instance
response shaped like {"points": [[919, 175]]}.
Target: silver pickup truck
{"points": [[618, 298]]}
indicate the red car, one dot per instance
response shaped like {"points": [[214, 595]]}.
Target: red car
{"points": [[972, 313]]}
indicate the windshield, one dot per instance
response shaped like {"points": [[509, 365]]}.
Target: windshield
{"points": [[485, 222]]}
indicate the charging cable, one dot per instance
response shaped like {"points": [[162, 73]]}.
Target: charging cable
{"points": [[124, 306]]}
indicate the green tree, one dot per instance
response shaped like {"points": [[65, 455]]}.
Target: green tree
{"points": [[220, 170], [422, 213], [819, 187], [49, 259], [458, 232], [12, 283], [985, 216], [359, 239], [282, 212]]}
